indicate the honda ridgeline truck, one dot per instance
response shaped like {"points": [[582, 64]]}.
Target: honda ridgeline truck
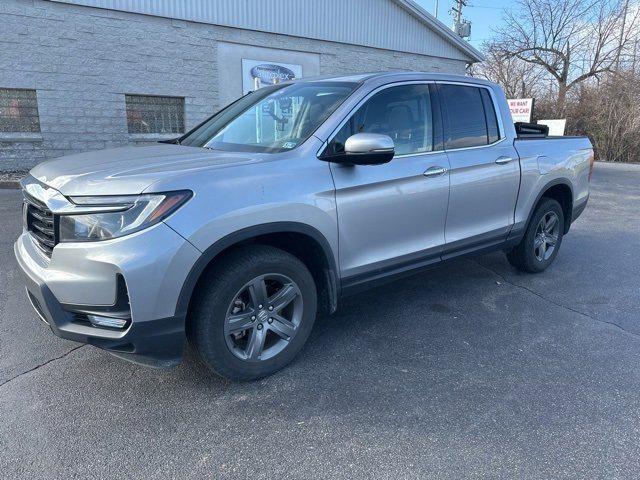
{"points": [[236, 235]]}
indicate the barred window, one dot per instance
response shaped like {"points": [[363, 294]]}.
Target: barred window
{"points": [[18, 111], [153, 114]]}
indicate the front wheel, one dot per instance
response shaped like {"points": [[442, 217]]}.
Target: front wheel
{"points": [[542, 239], [254, 312]]}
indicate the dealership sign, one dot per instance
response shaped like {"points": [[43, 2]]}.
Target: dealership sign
{"points": [[521, 109], [260, 73]]}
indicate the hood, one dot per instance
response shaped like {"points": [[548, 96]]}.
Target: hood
{"points": [[129, 170]]}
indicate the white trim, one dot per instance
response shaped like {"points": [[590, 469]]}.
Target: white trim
{"points": [[20, 137], [153, 137]]}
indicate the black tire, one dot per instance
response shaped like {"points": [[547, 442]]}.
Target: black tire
{"points": [[523, 256], [218, 289]]}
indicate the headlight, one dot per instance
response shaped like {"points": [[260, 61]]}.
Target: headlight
{"points": [[121, 215]]}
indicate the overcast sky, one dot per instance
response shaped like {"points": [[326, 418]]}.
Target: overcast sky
{"points": [[483, 14]]}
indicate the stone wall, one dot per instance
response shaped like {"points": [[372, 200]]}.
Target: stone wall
{"points": [[82, 61]]}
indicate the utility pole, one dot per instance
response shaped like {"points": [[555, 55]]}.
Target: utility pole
{"points": [[457, 11], [436, 9], [460, 26]]}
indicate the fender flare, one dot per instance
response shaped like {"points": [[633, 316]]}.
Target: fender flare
{"points": [[543, 190], [247, 233]]}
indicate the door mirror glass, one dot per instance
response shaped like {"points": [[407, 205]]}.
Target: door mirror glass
{"points": [[366, 149]]}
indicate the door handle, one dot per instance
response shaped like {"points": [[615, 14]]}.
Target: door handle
{"points": [[504, 160], [435, 171]]}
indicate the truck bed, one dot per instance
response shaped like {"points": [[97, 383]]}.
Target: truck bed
{"points": [[545, 161]]}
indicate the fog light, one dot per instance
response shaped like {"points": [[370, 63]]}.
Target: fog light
{"points": [[109, 322]]}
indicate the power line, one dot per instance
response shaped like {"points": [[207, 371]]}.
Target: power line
{"points": [[482, 6]]}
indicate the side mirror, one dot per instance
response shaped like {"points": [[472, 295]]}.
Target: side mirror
{"points": [[365, 149]]}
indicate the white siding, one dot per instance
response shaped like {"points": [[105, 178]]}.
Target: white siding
{"points": [[373, 23]]}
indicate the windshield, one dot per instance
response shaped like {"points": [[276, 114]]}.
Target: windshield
{"points": [[271, 119]]}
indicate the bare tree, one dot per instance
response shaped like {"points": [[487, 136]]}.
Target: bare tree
{"points": [[518, 78], [571, 40], [609, 113]]}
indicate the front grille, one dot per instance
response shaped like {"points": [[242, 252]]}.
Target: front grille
{"points": [[40, 222]]}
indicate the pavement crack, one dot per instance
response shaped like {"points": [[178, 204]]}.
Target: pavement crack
{"points": [[40, 366], [553, 302]]}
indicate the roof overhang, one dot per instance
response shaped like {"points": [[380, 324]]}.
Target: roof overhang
{"points": [[440, 28]]}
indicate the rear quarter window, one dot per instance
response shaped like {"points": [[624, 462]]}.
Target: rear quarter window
{"points": [[493, 132]]}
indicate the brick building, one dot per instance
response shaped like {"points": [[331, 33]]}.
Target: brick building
{"points": [[81, 75]]}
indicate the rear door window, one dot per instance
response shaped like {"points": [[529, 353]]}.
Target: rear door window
{"points": [[464, 117]]}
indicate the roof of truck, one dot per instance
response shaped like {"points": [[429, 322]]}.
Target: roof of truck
{"points": [[395, 75]]}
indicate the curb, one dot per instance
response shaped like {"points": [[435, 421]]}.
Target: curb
{"points": [[9, 184]]}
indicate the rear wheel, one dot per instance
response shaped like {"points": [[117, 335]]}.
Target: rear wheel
{"points": [[254, 312], [542, 239]]}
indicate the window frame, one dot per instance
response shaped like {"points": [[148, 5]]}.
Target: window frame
{"points": [[436, 115], [156, 134], [501, 133]]}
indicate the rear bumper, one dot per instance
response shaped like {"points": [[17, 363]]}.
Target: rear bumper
{"points": [[578, 209]]}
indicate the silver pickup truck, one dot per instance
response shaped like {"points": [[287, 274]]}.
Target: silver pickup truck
{"points": [[235, 235]]}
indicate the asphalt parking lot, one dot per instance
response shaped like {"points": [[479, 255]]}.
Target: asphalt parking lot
{"points": [[469, 370]]}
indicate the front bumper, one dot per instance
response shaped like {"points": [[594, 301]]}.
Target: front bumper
{"points": [[153, 263]]}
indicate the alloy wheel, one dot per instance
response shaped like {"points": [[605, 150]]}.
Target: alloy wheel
{"points": [[546, 236], [263, 317]]}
